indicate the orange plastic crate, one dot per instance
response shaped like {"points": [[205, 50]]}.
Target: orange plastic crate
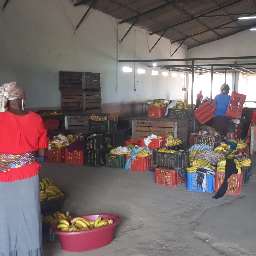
{"points": [[235, 183], [168, 177], [55, 155], [74, 157], [235, 107]]}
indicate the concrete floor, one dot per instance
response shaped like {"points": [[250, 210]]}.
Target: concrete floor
{"points": [[158, 221]]}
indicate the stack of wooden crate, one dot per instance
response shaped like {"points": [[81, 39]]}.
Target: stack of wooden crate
{"points": [[80, 91]]}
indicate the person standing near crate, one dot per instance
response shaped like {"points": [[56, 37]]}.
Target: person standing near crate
{"points": [[221, 121], [22, 136]]}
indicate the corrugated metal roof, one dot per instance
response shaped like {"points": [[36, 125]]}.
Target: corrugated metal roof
{"points": [[195, 22]]}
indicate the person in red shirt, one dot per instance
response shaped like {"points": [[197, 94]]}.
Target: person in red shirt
{"points": [[22, 138]]}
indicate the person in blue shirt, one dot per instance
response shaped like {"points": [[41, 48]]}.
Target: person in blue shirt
{"points": [[220, 120]]}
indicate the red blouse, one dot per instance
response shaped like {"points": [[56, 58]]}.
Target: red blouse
{"points": [[21, 134]]}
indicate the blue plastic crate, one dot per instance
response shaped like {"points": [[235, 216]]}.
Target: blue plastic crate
{"points": [[196, 183]]}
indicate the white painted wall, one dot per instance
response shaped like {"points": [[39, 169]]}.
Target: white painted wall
{"points": [[240, 44], [38, 39]]}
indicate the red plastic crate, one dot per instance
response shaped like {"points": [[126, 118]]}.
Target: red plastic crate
{"points": [[235, 183], [74, 157], [156, 143], [167, 177], [205, 112], [55, 155], [141, 164], [155, 111], [134, 142], [235, 107]]}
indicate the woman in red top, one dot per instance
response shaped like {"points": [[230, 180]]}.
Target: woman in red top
{"points": [[22, 136]]}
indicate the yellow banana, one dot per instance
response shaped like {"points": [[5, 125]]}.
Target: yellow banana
{"points": [[64, 222]]}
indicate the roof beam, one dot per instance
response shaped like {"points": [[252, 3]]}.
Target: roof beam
{"points": [[131, 18], [182, 10], [230, 14], [230, 34], [165, 29], [5, 4], [92, 4], [202, 32]]}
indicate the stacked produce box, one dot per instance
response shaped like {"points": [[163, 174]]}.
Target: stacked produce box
{"points": [[80, 91]]}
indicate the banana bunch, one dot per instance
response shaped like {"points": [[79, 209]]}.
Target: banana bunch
{"points": [[245, 162], [171, 141], [241, 145], [159, 103], [165, 150], [222, 148], [221, 166], [143, 153], [48, 190], [181, 105], [201, 163], [81, 224]]}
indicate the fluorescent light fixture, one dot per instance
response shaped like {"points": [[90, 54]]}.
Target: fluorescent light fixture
{"points": [[141, 71], [127, 69], [154, 64], [165, 73], [253, 29], [247, 18], [174, 74], [155, 73]]}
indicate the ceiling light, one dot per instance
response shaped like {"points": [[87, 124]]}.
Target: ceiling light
{"points": [[252, 29], [247, 18], [174, 74], [154, 64], [141, 71], [155, 73], [165, 73], [127, 69]]}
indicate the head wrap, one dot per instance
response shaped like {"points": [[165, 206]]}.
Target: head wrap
{"points": [[225, 87], [10, 91]]}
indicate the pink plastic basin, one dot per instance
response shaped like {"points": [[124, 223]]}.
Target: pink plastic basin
{"points": [[89, 239]]}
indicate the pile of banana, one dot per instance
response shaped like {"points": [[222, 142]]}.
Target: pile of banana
{"points": [[167, 151], [181, 105], [172, 142], [66, 223], [62, 141], [98, 118], [222, 164], [143, 153], [241, 145], [48, 190], [222, 148], [245, 162], [159, 103]]}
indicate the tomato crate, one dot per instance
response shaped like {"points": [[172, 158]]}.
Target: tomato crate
{"points": [[205, 112], [235, 183], [55, 155], [115, 161], [235, 107], [168, 177], [74, 157], [141, 164], [155, 111], [176, 160], [200, 181]]}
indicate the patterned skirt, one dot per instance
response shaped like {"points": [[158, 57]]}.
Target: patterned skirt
{"points": [[20, 220]]}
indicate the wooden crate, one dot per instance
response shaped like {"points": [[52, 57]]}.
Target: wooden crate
{"points": [[144, 127], [162, 127], [76, 123], [79, 80]]}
